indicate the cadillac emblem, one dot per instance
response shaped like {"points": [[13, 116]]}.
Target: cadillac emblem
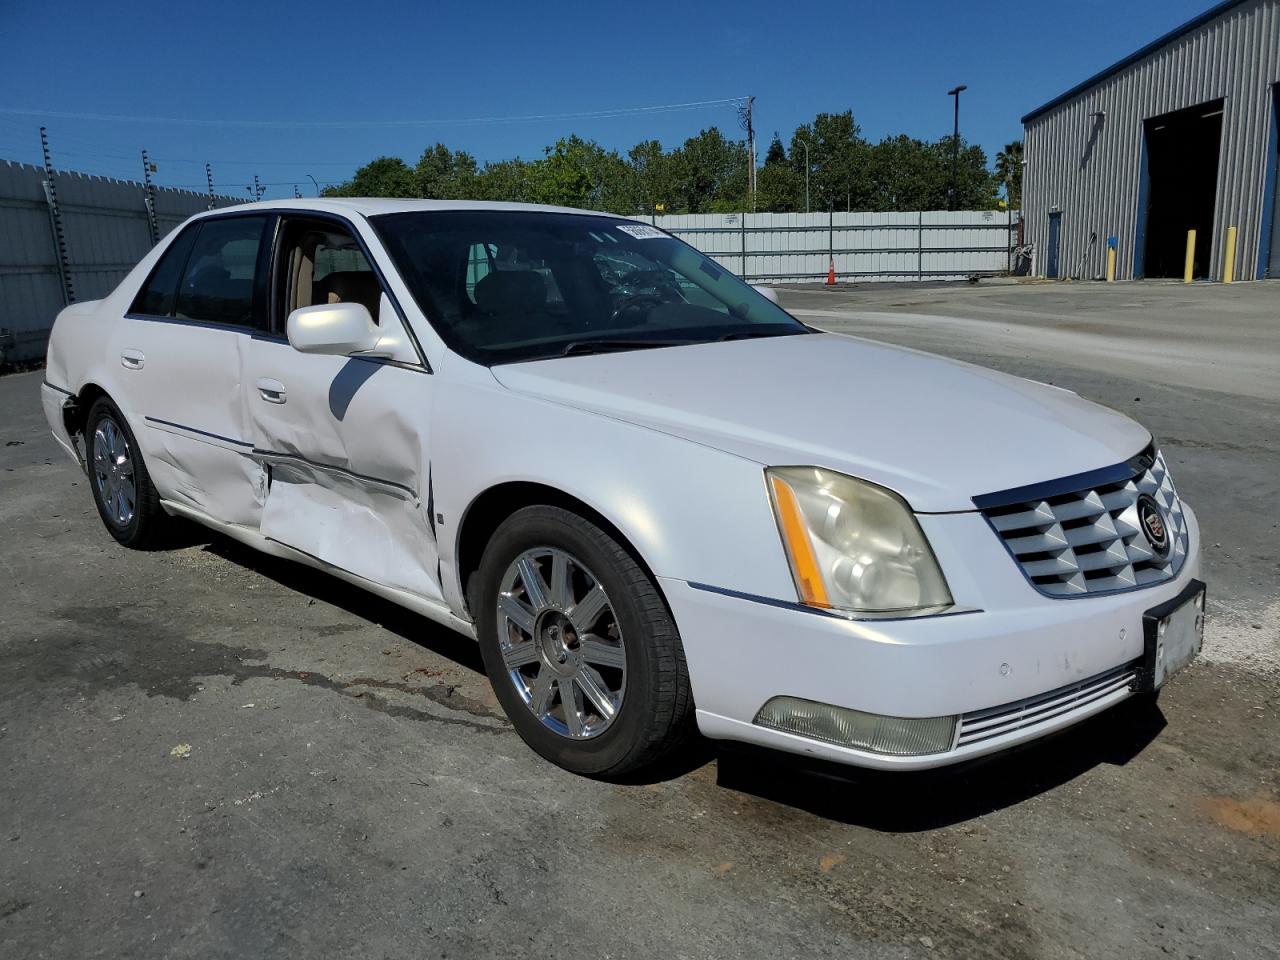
{"points": [[1153, 526]]}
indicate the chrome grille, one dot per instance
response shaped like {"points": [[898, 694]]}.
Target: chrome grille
{"points": [[1090, 541], [985, 724]]}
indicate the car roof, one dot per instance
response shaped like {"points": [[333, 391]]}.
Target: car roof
{"points": [[373, 206]]}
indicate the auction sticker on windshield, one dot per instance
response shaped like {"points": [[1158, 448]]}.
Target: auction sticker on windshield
{"points": [[640, 231]]}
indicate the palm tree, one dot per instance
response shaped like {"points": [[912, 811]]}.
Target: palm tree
{"points": [[1009, 172]]}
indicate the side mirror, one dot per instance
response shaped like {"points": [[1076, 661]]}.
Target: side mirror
{"points": [[768, 293], [338, 329]]}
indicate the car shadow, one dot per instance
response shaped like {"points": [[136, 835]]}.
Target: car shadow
{"points": [[356, 601], [926, 800], [885, 801]]}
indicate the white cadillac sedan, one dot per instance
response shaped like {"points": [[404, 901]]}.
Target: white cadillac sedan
{"points": [[654, 497]]}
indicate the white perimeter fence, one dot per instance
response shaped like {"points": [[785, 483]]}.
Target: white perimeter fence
{"points": [[798, 247]]}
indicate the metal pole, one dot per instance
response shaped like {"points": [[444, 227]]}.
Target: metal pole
{"points": [[148, 198], [314, 184], [920, 245], [1008, 230], [55, 223], [955, 143], [208, 173]]}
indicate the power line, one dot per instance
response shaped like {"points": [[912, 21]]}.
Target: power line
{"points": [[329, 124]]}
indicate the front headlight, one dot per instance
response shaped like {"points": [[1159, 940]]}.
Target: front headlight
{"points": [[853, 545]]}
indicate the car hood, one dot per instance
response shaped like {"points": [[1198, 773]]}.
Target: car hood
{"points": [[937, 431]]}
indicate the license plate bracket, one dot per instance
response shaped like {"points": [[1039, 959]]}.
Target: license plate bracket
{"points": [[1172, 636]]}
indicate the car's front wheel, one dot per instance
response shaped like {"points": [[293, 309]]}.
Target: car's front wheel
{"points": [[579, 645], [122, 489]]}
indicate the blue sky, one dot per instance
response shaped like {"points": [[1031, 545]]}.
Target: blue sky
{"points": [[320, 62]]}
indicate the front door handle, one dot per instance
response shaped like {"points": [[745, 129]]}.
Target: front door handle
{"points": [[271, 391], [132, 359]]}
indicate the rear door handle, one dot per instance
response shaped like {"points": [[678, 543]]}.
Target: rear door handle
{"points": [[271, 391], [132, 359]]}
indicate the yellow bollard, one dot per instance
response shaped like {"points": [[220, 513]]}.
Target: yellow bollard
{"points": [[1191, 257], [1229, 267], [1111, 264]]}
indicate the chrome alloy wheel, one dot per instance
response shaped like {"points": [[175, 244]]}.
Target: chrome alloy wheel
{"points": [[561, 642], [113, 471]]}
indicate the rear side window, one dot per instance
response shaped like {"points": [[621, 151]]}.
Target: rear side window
{"points": [[157, 297], [218, 284]]}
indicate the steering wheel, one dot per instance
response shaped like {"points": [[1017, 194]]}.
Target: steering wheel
{"points": [[634, 308]]}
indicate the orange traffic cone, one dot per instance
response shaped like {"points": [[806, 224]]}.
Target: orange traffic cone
{"points": [[831, 272]]}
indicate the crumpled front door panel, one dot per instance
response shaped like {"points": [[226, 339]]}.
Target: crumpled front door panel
{"points": [[346, 456]]}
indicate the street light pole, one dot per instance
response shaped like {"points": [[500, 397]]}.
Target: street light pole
{"points": [[955, 143], [805, 144], [314, 184]]}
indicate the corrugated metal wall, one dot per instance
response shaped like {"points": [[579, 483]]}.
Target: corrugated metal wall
{"points": [[791, 247], [106, 229], [1092, 170]]}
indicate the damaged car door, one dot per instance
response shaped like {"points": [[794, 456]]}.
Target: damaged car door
{"points": [[181, 346], [343, 437]]}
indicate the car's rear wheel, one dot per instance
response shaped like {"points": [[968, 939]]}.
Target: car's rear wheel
{"points": [[579, 645], [122, 489]]}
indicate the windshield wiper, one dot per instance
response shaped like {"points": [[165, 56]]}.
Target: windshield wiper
{"points": [[583, 347], [752, 334]]}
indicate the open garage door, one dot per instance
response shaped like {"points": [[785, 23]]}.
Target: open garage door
{"points": [[1181, 190]]}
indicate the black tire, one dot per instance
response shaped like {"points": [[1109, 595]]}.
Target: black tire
{"points": [[147, 526], [656, 713]]}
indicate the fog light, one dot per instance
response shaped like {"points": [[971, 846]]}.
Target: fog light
{"points": [[897, 736]]}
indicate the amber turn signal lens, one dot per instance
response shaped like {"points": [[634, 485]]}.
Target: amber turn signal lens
{"points": [[795, 536]]}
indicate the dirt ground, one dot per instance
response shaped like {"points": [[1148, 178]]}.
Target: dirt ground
{"points": [[209, 753]]}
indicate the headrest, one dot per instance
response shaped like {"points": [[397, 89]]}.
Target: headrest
{"points": [[352, 286], [511, 291]]}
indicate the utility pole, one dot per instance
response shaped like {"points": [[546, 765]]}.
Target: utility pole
{"points": [[258, 189], [208, 174], [744, 116], [297, 194], [149, 198], [55, 222], [955, 144]]}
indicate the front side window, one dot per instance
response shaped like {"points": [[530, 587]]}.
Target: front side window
{"points": [[321, 262], [505, 286], [218, 284]]}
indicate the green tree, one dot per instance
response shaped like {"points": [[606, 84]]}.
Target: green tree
{"points": [[1009, 172], [653, 176], [839, 158], [383, 177], [581, 173], [506, 180], [442, 174], [710, 173], [908, 174], [777, 153], [779, 189], [976, 186]]}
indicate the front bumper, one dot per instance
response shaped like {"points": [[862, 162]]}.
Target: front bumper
{"points": [[1046, 662]]}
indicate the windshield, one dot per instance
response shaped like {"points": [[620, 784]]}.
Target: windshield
{"points": [[505, 286]]}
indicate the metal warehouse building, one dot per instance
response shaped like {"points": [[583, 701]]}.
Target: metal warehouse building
{"points": [[1179, 136]]}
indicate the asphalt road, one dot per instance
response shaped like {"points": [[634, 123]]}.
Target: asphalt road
{"points": [[208, 753]]}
